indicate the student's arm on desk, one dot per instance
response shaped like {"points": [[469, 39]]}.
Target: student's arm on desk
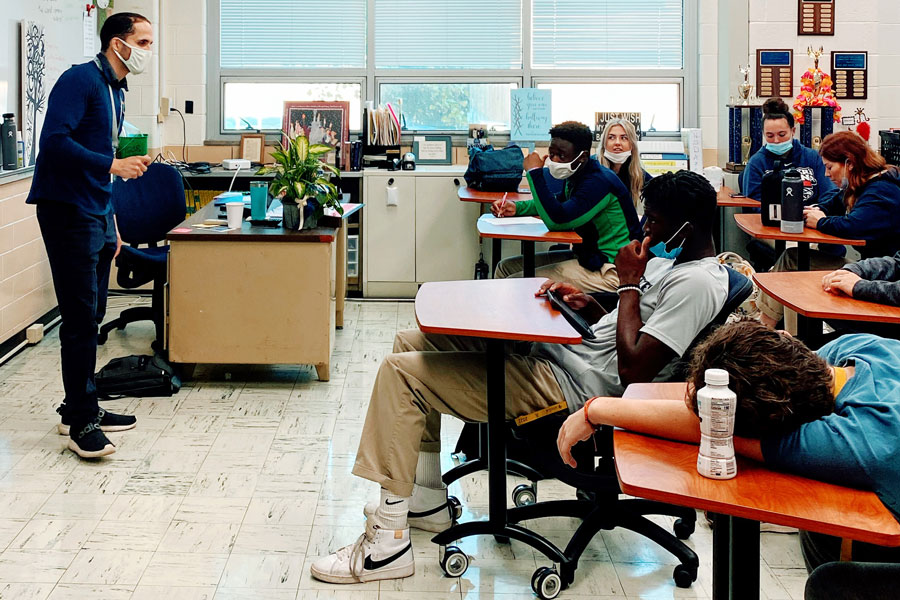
{"points": [[586, 305], [669, 419], [560, 213]]}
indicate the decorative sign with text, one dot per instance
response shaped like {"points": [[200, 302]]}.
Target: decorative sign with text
{"points": [[602, 118], [530, 118]]}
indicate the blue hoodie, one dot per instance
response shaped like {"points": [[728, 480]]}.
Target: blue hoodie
{"points": [[875, 216], [804, 159], [76, 150]]}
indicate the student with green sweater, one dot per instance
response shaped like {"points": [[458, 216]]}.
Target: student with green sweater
{"points": [[593, 203]]}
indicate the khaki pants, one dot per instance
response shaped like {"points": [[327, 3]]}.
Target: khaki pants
{"points": [[818, 261], [557, 267], [431, 375]]}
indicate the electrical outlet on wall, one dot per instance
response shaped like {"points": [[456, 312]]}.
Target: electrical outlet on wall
{"points": [[164, 104], [189, 107]]}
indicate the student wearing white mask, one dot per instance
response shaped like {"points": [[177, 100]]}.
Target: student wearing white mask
{"points": [[71, 187], [594, 203], [618, 151]]}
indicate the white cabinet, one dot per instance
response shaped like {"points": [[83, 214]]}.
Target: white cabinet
{"points": [[429, 235]]}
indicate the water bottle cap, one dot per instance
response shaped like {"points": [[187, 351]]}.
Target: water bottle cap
{"points": [[9, 115], [716, 377]]}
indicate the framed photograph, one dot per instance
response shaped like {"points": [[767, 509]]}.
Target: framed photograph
{"points": [[433, 149], [321, 122], [253, 147]]}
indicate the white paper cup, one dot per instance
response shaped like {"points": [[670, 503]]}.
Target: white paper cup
{"points": [[235, 214], [716, 177]]}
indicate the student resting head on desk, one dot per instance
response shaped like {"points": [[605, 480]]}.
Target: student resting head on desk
{"points": [[594, 203], [664, 303], [618, 151], [865, 206], [832, 415]]}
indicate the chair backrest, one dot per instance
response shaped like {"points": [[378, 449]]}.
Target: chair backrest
{"points": [[148, 207]]}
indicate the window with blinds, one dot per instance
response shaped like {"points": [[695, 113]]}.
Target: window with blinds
{"points": [[437, 34], [286, 34], [608, 34]]}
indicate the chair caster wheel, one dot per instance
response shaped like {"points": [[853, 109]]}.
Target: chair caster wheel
{"points": [[683, 529], [455, 507], [454, 561], [524, 494], [546, 583], [684, 576]]}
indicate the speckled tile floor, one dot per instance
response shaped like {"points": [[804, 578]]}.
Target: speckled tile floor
{"points": [[230, 489]]}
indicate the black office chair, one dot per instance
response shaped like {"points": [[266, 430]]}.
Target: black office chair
{"points": [[532, 454], [147, 208]]}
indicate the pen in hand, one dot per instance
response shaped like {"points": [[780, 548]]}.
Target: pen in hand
{"points": [[502, 204]]}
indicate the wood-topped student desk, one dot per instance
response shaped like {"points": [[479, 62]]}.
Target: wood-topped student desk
{"points": [[752, 224], [528, 234], [725, 199], [257, 295], [497, 310], [467, 194], [666, 471], [803, 293]]}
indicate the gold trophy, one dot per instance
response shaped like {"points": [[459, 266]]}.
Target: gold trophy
{"points": [[745, 87]]}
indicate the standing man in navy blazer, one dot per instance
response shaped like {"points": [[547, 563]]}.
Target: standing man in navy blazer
{"points": [[71, 188]]}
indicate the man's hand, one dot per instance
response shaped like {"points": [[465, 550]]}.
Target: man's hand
{"points": [[840, 281], [575, 429], [508, 208], [131, 167], [533, 161], [811, 215], [631, 261], [571, 295]]}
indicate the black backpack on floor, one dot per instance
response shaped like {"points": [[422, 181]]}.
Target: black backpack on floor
{"points": [[136, 375]]}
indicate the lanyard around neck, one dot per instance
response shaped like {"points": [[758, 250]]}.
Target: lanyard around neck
{"points": [[114, 132]]}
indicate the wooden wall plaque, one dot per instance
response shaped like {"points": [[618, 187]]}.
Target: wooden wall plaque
{"points": [[774, 73], [815, 17]]}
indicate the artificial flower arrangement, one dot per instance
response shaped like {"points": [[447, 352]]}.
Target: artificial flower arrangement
{"points": [[815, 90]]}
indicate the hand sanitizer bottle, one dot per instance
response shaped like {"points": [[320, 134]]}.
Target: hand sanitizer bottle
{"points": [[716, 406]]}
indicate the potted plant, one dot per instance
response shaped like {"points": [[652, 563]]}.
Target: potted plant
{"points": [[301, 182]]}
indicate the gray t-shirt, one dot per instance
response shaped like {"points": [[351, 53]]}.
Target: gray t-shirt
{"points": [[677, 303]]}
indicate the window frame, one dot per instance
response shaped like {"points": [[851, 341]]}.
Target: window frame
{"points": [[371, 78]]}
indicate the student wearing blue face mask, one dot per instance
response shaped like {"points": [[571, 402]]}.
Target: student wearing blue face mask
{"points": [[594, 203], [782, 152]]}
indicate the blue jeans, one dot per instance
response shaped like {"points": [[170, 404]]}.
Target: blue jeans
{"points": [[80, 247]]}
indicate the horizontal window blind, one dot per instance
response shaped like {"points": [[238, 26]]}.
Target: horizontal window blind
{"points": [[611, 34], [278, 34], [441, 34]]}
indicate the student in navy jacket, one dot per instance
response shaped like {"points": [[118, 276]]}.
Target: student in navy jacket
{"points": [[782, 151], [71, 188], [867, 207]]}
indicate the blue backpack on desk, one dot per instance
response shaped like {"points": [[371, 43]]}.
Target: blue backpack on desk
{"points": [[494, 170]]}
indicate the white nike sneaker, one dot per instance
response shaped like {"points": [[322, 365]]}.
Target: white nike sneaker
{"points": [[377, 554], [429, 510]]}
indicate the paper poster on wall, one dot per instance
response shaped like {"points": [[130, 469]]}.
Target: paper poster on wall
{"points": [[602, 118], [89, 26], [530, 118], [34, 92]]}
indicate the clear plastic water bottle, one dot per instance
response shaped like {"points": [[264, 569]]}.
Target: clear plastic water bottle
{"points": [[716, 406]]}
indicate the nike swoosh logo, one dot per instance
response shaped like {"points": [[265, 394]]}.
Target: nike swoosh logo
{"points": [[392, 503], [371, 565]]}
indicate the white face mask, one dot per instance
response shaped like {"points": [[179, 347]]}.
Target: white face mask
{"points": [[560, 170], [616, 157], [137, 62]]}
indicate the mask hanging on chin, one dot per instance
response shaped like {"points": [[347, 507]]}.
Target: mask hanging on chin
{"points": [[563, 170], [659, 250], [137, 61], [617, 158]]}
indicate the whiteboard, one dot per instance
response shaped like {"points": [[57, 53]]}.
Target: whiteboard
{"points": [[63, 42]]}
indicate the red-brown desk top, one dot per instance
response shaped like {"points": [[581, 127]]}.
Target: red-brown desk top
{"points": [[802, 292], [505, 309], [467, 194], [664, 470], [536, 232], [752, 224], [723, 198]]}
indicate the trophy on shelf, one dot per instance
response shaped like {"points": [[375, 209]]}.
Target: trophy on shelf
{"points": [[745, 122]]}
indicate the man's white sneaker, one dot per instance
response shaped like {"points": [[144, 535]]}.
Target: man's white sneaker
{"points": [[377, 554], [429, 510]]}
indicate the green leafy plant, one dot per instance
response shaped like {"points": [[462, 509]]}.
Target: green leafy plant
{"points": [[300, 173]]}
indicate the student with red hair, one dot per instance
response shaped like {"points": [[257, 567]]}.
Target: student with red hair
{"points": [[865, 206]]}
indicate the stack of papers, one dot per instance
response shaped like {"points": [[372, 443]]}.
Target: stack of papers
{"points": [[383, 126]]}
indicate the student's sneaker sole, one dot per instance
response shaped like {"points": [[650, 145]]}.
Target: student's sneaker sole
{"points": [[64, 429], [106, 451]]}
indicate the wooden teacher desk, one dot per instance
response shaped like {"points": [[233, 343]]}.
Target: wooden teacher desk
{"points": [[666, 471], [751, 223], [528, 233], [257, 295], [803, 293]]}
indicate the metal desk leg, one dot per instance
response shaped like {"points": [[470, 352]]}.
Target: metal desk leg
{"points": [[495, 255], [735, 558], [528, 258], [496, 448], [780, 245], [803, 256]]}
